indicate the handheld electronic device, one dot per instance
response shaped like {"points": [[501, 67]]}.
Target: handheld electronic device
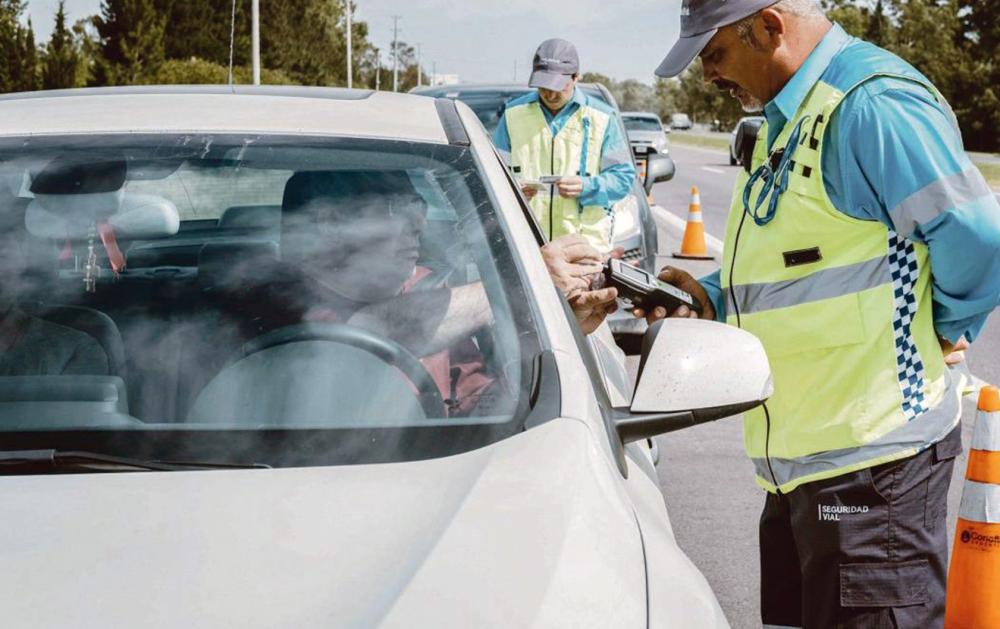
{"points": [[644, 291]]}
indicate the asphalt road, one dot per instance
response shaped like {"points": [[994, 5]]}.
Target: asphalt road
{"points": [[706, 480]]}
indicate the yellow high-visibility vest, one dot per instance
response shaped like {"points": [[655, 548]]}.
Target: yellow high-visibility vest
{"points": [[574, 150], [842, 306]]}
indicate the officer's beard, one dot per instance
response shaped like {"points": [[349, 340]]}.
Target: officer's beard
{"points": [[750, 103]]}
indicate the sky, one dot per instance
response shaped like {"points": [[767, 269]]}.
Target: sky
{"points": [[483, 40]]}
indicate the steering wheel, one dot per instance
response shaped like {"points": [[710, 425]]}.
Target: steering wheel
{"points": [[387, 350]]}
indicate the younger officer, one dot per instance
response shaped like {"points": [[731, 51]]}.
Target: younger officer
{"points": [[560, 131]]}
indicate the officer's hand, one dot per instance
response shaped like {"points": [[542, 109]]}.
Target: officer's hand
{"points": [[572, 262], [954, 354], [570, 187], [686, 282], [529, 192]]}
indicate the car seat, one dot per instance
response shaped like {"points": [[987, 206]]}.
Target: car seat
{"points": [[92, 322]]}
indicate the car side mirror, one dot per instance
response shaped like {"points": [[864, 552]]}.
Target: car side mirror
{"points": [[746, 140], [691, 372], [659, 168]]}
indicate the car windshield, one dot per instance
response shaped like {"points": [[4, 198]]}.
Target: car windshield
{"points": [[268, 299], [488, 107], [642, 123]]}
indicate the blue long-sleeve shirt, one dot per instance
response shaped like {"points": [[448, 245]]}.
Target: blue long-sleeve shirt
{"points": [[614, 181], [895, 155]]}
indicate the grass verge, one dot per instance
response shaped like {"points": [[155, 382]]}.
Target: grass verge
{"points": [[991, 172], [711, 142]]}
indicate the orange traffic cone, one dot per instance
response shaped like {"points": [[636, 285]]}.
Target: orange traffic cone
{"points": [[693, 246], [974, 577]]}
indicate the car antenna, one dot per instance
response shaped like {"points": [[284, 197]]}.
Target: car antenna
{"points": [[232, 41]]}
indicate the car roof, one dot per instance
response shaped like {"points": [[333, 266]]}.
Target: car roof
{"points": [[640, 114], [280, 110]]}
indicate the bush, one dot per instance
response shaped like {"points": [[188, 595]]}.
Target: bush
{"points": [[196, 71]]}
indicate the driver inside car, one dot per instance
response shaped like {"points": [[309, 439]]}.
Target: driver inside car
{"points": [[350, 255], [352, 258], [30, 346]]}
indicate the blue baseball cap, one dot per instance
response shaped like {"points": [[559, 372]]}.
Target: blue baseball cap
{"points": [[554, 63], [700, 21]]}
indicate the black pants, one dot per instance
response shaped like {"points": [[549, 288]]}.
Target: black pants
{"points": [[866, 549]]}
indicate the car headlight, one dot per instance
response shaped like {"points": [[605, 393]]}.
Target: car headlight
{"points": [[626, 218]]}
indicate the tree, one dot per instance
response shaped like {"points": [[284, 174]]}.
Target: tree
{"points": [[61, 64], [877, 30], [11, 45], [131, 34], [28, 79]]}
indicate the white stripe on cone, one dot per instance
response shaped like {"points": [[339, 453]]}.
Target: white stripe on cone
{"points": [[694, 217], [987, 434], [980, 503]]}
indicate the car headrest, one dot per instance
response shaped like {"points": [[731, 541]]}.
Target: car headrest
{"points": [[343, 185], [263, 217], [72, 216]]}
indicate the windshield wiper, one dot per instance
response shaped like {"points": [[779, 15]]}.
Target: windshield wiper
{"points": [[20, 461]]}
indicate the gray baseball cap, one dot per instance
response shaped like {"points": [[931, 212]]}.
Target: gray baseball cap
{"points": [[555, 62], [700, 21]]}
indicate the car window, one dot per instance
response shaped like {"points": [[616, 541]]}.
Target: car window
{"points": [[240, 297], [642, 123]]}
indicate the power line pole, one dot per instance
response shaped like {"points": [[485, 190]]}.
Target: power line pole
{"points": [[515, 70], [350, 49], [420, 70], [378, 68], [255, 39], [434, 72], [395, 53]]}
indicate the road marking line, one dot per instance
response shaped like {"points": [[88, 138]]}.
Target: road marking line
{"points": [[714, 170], [713, 244]]}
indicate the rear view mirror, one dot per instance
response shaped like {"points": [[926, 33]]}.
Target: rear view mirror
{"points": [[659, 168], [746, 140], [691, 372]]}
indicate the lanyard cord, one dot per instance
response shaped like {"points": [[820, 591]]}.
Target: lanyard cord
{"points": [[775, 179]]}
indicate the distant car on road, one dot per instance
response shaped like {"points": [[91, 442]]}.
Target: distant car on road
{"points": [[680, 122], [748, 121], [645, 133]]}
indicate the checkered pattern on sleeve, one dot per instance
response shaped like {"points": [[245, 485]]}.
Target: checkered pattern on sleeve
{"points": [[910, 370]]}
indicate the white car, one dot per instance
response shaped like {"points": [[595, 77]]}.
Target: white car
{"points": [[646, 133], [297, 362]]}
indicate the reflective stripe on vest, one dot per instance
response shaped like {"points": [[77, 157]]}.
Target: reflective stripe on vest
{"points": [[848, 328], [575, 150]]}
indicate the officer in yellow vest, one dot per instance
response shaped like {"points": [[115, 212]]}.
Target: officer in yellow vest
{"points": [[862, 249], [560, 132]]}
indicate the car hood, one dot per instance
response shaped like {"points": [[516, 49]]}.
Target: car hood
{"points": [[654, 137], [530, 532]]}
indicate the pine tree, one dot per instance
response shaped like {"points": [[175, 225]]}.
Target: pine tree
{"points": [[11, 45], [29, 74], [877, 31], [62, 60], [131, 34]]}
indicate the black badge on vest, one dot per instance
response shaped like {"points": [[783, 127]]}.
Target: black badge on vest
{"points": [[802, 256]]}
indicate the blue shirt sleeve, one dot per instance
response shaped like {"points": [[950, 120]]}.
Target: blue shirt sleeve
{"points": [[899, 159], [501, 138], [614, 182], [712, 283]]}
